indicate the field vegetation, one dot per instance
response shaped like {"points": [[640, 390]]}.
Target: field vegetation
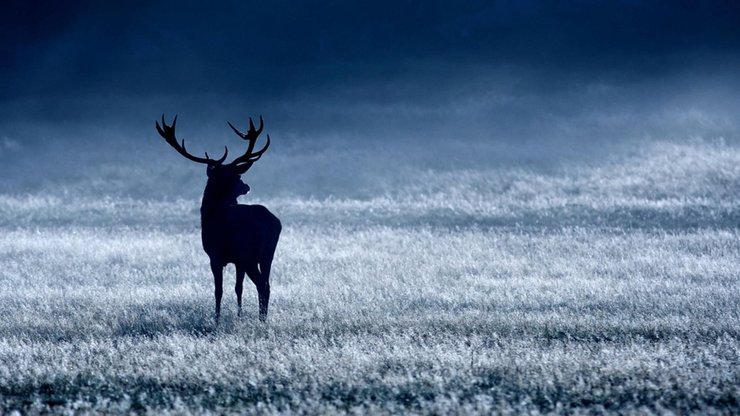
{"points": [[609, 286]]}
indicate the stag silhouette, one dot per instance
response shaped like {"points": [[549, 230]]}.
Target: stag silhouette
{"points": [[245, 235]]}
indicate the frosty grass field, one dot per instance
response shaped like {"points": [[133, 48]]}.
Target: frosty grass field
{"points": [[601, 287]]}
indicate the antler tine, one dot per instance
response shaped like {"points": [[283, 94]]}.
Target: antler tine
{"points": [[252, 133], [258, 154], [244, 162], [168, 134], [259, 130], [219, 161], [238, 133], [159, 129]]}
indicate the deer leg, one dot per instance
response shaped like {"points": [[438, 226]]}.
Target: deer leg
{"points": [[264, 289], [264, 296], [239, 288], [218, 279], [257, 278]]}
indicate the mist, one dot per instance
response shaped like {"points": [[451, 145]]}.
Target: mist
{"points": [[382, 90]]}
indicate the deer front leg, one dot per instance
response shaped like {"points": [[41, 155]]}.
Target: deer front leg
{"points": [[218, 279]]}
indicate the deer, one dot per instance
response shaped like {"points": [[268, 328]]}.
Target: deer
{"points": [[244, 235]]}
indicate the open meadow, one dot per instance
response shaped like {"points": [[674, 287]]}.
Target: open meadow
{"points": [[486, 207], [609, 286]]}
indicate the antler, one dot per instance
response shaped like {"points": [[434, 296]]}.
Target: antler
{"points": [[168, 133], [244, 162]]}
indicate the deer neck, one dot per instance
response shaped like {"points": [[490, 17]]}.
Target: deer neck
{"points": [[213, 204]]}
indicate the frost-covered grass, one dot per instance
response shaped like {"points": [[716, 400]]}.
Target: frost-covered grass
{"points": [[611, 288]]}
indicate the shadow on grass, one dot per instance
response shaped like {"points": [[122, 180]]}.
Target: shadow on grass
{"points": [[193, 318], [164, 318], [71, 320]]}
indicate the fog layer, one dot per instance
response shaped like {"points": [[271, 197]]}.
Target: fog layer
{"points": [[359, 99]]}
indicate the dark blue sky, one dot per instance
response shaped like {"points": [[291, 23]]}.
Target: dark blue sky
{"points": [[276, 47], [62, 60]]}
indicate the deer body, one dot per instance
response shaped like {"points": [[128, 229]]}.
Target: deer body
{"points": [[241, 235], [244, 235]]}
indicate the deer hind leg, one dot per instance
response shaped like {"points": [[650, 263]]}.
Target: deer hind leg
{"points": [[263, 288], [239, 287], [218, 279], [265, 265]]}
